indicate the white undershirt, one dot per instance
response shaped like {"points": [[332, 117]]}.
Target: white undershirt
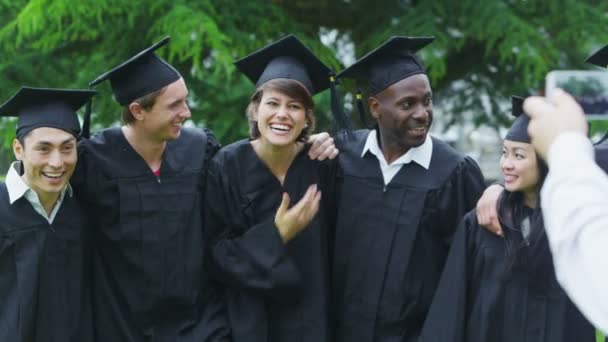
{"points": [[421, 155]]}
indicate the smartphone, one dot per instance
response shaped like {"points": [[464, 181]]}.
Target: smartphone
{"points": [[589, 88]]}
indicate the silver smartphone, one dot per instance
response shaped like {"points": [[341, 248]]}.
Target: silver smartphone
{"points": [[589, 88]]}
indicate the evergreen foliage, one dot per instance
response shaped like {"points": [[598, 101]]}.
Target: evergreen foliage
{"points": [[484, 52]]}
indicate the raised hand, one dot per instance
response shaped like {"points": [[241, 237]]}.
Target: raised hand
{"points": [[291, 221]]}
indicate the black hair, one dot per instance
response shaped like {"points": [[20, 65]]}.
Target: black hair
{"points": [[531, 255]]}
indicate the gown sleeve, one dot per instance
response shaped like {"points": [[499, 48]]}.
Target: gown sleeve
{"points": [[447, 317], [245, 257], [459, 196]]}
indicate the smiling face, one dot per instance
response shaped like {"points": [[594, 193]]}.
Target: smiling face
{"points": [[49, 158], [164, 120], [404, 111], [281, 112], [519, 166], [280, 118]]}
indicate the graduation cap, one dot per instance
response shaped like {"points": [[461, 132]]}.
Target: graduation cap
{"points": [[289, 58], [389, 63], [140, 75], [519, 129], [46, 107], [599, 58]]}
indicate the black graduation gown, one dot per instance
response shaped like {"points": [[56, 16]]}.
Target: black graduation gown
{"points": [[274, 291], [601, 155], [44, 280], [475, 303], [149, 281], [391, 241]]}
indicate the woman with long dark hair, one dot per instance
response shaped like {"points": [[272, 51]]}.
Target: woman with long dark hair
{"points": [[495, 289]]}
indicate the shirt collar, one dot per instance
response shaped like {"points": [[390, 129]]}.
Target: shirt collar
{"points": [[421, 154], [17, 187]]}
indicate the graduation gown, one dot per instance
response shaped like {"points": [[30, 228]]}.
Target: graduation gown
{"points": [[150, 284], [477, 302], [391, 241], [43, 273], [274, 291], [601, 155]]}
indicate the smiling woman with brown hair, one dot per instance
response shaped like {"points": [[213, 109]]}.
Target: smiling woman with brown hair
{"points": [[272, 257]]}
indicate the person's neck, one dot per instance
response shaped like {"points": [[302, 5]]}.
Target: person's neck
{"points": [[391, 149], [150, 149], [47, 200], [531, 198], [277, 158]]}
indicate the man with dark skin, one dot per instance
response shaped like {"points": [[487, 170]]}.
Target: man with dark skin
{"points": [[402, 196]]}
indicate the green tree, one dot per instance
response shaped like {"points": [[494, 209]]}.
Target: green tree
{"points": [[484, 52]]}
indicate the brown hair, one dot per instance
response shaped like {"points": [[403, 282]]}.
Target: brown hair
{"points": [[146, 102], [291, 88]]}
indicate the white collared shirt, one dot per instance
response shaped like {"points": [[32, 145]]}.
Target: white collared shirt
{"points": [[421, 155], [575, 209], [17, 188]]}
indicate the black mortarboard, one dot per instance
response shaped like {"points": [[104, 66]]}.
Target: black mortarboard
{"points": [[519, 129], [599, 58], [142, 74], [389, 63], [289, 58], [286, 58], [44, 107]]}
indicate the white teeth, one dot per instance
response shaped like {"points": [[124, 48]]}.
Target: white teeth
{"points": [[279, 127], [53, 175]]}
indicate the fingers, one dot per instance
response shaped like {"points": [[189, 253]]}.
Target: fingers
{"points": [[323, 147], [331, 152], [307, 207], [303, 202], [314, 207], [486, 209], [317, 141], [536, 106], [495, 227], [565, 101], [284, 205], [290, 221]]}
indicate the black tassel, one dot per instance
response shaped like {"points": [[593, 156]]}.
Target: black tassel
{"points": [[85, 132], [341, 121], [361, 109]]}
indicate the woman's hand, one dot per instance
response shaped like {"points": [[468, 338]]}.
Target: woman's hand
{"points": [[290, 221]]}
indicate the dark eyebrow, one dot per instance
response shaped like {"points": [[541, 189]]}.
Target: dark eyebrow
{"points": [[68, 140], [413, 97]]}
